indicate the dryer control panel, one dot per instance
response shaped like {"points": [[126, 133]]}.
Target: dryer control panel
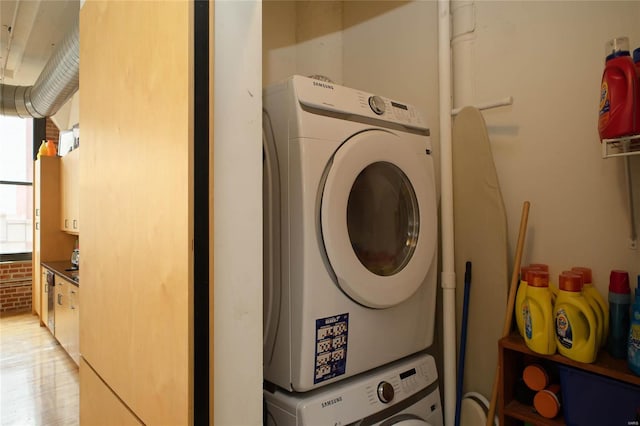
{"points": [[334, 98]]}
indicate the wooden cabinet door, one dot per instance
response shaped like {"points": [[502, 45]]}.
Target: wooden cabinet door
{"points": [[36, 288], [62, 313], [70, 217], [44, 295], [74, 323]]}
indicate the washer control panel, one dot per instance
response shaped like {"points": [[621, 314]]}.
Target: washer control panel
{"points": [[357, 397]]}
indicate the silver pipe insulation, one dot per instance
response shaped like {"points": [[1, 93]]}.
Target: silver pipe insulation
{"points": [[57, 83]]}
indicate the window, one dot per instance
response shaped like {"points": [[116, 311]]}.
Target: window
{"points": [[16, 188]]}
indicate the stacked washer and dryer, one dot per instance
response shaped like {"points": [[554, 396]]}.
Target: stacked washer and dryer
{"points": [[350, 268]]}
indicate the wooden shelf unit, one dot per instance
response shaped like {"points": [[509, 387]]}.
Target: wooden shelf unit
{"points": [[514, 355]]}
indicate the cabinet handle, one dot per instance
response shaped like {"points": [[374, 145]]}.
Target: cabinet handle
{"points": [[46, 288], [66, 223], [37, 212], [75, 224], [37, 226], [60, 299]]}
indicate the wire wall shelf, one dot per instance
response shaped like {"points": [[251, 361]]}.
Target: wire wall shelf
{"points": [[621, 147]]}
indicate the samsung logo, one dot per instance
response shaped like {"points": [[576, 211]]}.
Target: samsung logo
{"points": [[330, 402], [323, 85]]}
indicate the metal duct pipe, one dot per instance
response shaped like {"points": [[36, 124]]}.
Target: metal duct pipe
{"points": [[54, 87]]}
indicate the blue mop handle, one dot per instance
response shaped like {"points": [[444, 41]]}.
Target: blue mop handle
{"points": [[463, 340]]}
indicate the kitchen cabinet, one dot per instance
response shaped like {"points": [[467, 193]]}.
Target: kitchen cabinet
{"points": [[69, 175], [67, 316], [36, 292], [514, 355], [44, 298], [74, 326], [48, 242]]}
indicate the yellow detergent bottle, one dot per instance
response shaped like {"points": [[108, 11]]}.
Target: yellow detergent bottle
{"points": [[552, 287], [594, 297], [538, 314], [575, 322], [594, 308], [520, 295], [554, 292]]}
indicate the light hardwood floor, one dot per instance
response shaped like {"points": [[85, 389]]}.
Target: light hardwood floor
{"points": [[38, 381]]}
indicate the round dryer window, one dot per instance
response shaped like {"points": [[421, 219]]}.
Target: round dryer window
{"points": [[378, 217], [383, 218]]}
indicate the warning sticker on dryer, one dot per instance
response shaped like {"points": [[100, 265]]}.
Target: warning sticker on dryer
{"points": [[331, 347]]}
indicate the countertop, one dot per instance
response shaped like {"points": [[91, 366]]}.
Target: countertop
{"points": [[61, 267]]}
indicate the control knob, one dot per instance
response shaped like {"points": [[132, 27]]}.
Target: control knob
{"points": [[377, 105], [385, 392]]}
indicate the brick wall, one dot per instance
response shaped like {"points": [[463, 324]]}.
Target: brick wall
{"points": [[15, 286], [51, 130]]}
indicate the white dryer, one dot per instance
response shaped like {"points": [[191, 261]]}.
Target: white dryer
{"points": [[404, 393], [350, 233]]}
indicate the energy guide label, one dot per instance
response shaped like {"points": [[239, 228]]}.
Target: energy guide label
{"points": [[331, 347]]}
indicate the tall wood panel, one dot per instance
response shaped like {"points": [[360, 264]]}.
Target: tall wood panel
{"points": [[101, 406], [136, 205]]}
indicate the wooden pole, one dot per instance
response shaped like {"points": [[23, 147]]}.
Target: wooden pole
{"points": [[510, 305]]}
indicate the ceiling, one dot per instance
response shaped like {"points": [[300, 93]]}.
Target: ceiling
{"points": [[29, 33]]}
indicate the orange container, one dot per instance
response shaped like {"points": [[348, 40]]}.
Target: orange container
{"points": [[52, 150], [535, 376], [547, 401]]}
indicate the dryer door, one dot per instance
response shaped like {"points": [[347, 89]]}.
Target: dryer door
{"points": [[378, 218]]}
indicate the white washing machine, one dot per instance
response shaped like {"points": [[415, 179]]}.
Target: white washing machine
{"points": [[404, 393], [350, 233]]}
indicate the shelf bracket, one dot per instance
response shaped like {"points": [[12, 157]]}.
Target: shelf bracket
{"points": [[625, 147], [627, 172]]}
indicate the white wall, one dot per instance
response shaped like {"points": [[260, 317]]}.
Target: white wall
{"points": [[549, 56], [278, 40], [68, 115], [238, 214], [302, 37]]}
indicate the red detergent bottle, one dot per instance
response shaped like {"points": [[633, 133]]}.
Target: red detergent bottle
{"points": [[620, 93]]}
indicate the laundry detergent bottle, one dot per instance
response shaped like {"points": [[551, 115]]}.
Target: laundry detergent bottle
{"points": [[538, 314], [619, 114], [619, 301], [552, 287], [575, 322], [597, 302], [520, 295], [633, 350]]}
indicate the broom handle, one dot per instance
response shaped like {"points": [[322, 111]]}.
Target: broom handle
{"points": [[512, 299]]}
